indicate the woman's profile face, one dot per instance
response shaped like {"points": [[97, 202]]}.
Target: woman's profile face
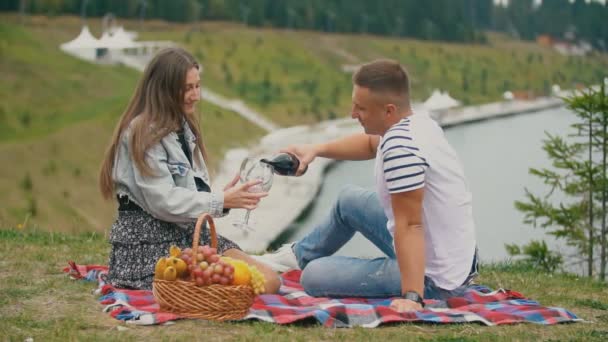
{"points": [[193, 90]]}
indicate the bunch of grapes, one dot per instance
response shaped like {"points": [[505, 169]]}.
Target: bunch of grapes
{"points": [[254, 277], [209, 268], [257, 280]]}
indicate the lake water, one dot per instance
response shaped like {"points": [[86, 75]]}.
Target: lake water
{"points": [[496, 155]]}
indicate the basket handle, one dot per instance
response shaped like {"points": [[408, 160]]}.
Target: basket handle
{"points": [[197, 233]]}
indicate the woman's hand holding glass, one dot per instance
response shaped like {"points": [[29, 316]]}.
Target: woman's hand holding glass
{"points": [[257, 179], [241, 197]]}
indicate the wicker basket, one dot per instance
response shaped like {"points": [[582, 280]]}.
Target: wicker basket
{"points": [[213, 302]]}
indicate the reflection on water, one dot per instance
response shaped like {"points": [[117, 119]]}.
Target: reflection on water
{"points": [[496, 155]]}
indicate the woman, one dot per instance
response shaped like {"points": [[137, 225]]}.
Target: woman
{"points": [[155, 168]]}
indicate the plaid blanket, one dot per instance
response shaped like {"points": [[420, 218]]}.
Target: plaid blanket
{"points": [[292, 304]]}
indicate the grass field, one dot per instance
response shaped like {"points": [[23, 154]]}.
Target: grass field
{"points": [[37, 300]]}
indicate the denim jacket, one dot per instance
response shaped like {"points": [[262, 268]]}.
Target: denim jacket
{"points": [[171, 194]]}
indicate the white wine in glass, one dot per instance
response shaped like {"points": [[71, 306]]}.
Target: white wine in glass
{"points": [[253, 169]]}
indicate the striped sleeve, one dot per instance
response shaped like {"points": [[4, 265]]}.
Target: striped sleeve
{"points": [[404, 168]]}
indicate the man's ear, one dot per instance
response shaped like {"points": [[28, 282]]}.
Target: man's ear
{"points": [[391, 109]]}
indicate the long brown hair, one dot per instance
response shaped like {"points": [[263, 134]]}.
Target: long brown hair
{"points": [[155, 110]]}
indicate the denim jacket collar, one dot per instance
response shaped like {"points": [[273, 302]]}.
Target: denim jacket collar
{"points": [[201, 170]]}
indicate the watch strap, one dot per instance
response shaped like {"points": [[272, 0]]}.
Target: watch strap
{"points": [[413, 296]]}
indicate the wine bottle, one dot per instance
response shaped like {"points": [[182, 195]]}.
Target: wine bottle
{"points": [[284, 164]]}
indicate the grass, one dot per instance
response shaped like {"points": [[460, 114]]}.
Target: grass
{"points": [[38, 301]]}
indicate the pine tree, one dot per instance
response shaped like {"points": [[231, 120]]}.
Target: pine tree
{"points": [[579, 172]]}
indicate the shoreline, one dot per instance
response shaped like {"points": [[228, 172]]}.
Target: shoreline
{"points": [[290, 197]]}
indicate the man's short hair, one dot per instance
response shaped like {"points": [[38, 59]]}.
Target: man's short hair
{"points": [[384, 76]]}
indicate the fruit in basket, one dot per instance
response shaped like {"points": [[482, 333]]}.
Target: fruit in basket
{"points": [[207, 274], [175, 251], [159, 268], [206, 251], [257, 280], [197, 273], [229, 271], [200, 256], [245, 274], [214, 258], [170, 273], [186, 257], [215, 278], [180, 266], [242, 275], [210, 268]]}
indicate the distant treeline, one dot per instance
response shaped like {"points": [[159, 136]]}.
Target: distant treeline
{"points": [[449, 20]]}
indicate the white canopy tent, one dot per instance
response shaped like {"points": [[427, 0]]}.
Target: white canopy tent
{"points": [[84, 46], [118, 40], [440, 101], [115, 46]]}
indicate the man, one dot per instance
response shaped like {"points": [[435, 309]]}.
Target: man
{"points": [[420, 215]]}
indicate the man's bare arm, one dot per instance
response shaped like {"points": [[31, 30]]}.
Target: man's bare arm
{"points": [[359, 146], [409, 239]]}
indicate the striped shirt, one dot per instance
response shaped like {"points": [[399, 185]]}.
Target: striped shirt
{"points": [[414, 154], [403, 165]]}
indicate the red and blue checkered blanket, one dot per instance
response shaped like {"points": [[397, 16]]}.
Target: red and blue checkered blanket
{"points": [[292, 304]]}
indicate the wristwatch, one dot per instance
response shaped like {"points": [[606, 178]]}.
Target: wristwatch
{"points": [[413, 296]]}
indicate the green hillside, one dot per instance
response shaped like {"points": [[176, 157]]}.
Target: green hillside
{"points": [[297, 77], [57, 112]]}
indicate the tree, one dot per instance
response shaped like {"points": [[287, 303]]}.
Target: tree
{"points": [[579, 173], [449, 20], [538, 255]]}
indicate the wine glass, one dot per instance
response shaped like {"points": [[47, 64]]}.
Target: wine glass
{"points": [[253, 169]]}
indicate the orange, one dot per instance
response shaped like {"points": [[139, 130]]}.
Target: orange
{"points": [[242, 276]]}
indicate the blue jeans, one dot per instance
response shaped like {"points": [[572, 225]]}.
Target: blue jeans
{"points": [[325, 275]]}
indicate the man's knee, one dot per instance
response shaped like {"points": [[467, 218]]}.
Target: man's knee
{"points": [[314, 277], [349, 197]]}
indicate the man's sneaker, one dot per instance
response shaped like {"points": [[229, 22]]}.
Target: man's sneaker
{"points": [[282, 260]]}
